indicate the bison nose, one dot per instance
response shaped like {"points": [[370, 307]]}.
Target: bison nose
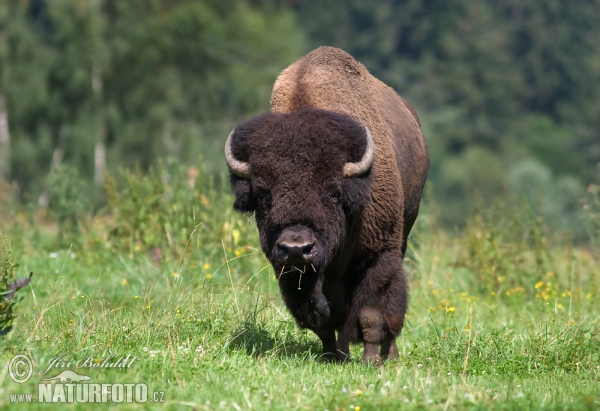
{"points": [[295, 253], [296, 246]]}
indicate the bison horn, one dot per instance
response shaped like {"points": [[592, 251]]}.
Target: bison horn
{"points": [[237, 167], [360, 168]]}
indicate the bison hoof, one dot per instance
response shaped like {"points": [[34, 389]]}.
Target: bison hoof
{"points": [[330, 357], [371, 355], [375, 360]]}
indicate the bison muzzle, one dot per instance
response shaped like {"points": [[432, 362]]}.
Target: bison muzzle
{"points": [[334, 176]]}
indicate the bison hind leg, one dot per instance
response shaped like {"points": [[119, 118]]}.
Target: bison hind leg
{"points": [[389, 349], [372, 325]]}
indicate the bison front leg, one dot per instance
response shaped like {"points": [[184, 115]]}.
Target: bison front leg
{"points": [[344, 347], [332, 352], [378, 308]]}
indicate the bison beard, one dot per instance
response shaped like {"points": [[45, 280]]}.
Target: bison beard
{"points": [[334, 181]]}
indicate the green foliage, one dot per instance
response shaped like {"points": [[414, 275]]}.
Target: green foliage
{"points": [[136, 80], [592, 213], [101, 85], [505, 249], [157, 209], [474, 170], [170, 209], [9, 285], [485, 80], [7, 276], [9, 205], [557, 199], [69, 203]]}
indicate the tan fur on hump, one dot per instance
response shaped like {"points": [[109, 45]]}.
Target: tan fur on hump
{"points": [[330, 79]]}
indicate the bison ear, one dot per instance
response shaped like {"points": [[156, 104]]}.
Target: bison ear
{"points": [[244, 200], [239, 171], [356, 193]]}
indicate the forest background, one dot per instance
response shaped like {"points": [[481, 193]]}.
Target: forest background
{"points": [[507, 91]]}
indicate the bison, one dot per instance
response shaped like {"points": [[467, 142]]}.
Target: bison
{"points": [[334, 175]]}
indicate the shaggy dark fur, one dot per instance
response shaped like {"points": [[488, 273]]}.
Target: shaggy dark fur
{"points": [[359, 226]]}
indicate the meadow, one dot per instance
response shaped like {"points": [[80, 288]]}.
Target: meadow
{"points": [[504, 314]]}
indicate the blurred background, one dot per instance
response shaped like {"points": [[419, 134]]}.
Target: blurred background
{"points": [[507, 91]]}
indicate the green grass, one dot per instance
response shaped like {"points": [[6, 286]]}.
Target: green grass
{"points": [[504, 316]]}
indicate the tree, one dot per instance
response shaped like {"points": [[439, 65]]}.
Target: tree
{"points": [[98, 84], [4, 131], [506, 80]]}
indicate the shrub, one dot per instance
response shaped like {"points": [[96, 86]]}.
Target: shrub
{"points": [[169, 206], [69, 202], [592, 213], [9, 285]]}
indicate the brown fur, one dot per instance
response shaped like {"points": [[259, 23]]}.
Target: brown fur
{"points": [[297, 153]]}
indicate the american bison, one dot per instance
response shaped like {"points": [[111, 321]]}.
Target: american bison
{"points": [[334, 176]]}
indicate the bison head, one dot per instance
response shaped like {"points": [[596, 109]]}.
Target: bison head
{"points": [[305, 176]]}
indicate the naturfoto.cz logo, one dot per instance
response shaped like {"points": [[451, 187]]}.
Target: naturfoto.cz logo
{"points": [[71, 387]]}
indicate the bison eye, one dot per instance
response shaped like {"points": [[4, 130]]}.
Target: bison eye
{"points": [[332, 193]]}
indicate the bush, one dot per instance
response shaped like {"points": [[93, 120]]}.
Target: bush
{"points": [[9, 285], [9, 204], [164, 209], [505, 248], [592, 214], [69, 202], [557, 199]]}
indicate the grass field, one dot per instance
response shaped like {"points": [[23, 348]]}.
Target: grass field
{"points": [[503, 315]]}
